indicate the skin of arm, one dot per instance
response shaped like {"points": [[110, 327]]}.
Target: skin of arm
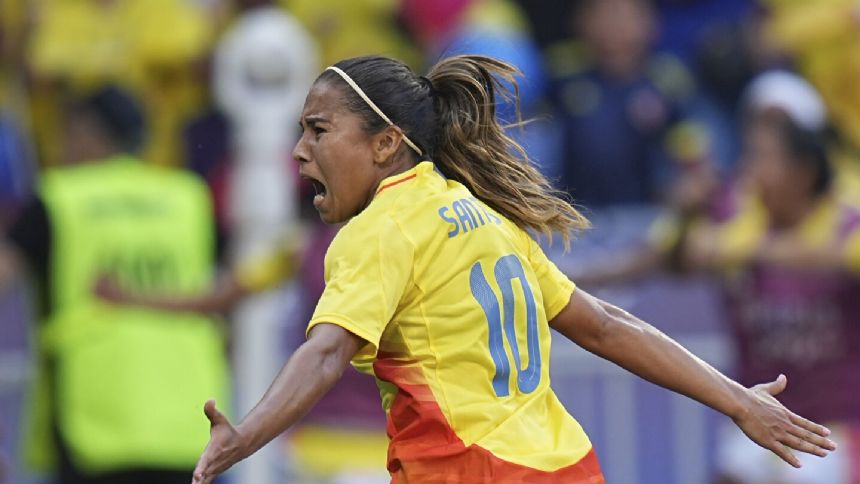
{"points": [[221, 298], [254, 275], [617, 336], [310, 372]]}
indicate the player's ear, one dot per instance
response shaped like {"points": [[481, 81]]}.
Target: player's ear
{"points": [[386, 143]]}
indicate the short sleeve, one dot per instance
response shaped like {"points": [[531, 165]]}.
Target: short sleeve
{"points": [[555, 287], [367, 269]]}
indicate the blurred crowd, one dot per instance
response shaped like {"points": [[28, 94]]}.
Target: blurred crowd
{"points": [[737, 120]]}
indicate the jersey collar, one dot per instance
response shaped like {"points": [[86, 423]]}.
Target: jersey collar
{"points": [[410, 174]]}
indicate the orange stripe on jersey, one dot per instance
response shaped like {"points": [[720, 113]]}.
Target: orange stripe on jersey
{"points": [[389, 185], [478, 466], [424, 448]]}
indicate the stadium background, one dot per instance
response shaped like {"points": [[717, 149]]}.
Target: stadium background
{"points": [[199, 67]]}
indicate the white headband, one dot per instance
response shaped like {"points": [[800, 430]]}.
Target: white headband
{"points": [[373, 106]]}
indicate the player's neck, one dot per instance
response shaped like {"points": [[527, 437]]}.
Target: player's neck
{"points": [[400, 163]]}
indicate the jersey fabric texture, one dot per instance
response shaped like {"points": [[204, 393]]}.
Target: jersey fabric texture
{"points": [[453, 300]]}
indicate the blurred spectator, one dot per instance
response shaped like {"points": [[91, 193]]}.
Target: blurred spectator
{"points": [[16, 170], [431, 23], [822, 35], [683, 22], [788, 247], [549, 18], [824, 38], [13, 25], [331, 442], [619, 102], [792, 274], [148, 46], [16, 157], [350, 28], [698, 199], [498, 29], [117, 391], [727, 55]]}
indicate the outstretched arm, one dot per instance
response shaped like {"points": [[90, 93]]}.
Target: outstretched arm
{"points": [[219, 299], [617, 336], [254, 275], [310, 372]]}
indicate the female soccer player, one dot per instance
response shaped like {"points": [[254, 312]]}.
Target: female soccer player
{"points": [[436, 287]]}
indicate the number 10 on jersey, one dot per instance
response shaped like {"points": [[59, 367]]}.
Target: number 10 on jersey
{"points": [[505, 271]]}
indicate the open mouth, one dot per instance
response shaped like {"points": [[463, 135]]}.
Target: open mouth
{"points": [[319, 189]]}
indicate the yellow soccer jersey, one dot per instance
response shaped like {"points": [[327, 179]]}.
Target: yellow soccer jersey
{"points": [[454, 300]]}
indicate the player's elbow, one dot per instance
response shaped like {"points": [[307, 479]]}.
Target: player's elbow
{"points": [[600, 330], [332, 367], [614, 329], [331, 348], [330, 360]]}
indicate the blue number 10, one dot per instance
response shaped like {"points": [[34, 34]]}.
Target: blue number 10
{"points": [[507, 269]]}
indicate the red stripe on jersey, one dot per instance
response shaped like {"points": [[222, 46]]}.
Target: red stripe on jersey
{"points": [[478, 466], [389, 185], [424, 448]]}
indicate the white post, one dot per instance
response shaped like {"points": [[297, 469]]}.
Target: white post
{"points": [[264, 67]]}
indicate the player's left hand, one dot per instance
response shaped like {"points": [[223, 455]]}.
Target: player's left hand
{"points": [[772, 426], [225, 447]]}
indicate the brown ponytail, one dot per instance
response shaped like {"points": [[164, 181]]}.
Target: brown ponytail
{"points": [[451, 117], [471, 146]]}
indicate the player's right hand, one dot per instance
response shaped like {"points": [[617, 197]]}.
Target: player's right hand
{"points": [[772, 426], [225, 447]]}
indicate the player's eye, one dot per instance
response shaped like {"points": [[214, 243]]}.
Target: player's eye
{"points": [[318, 131]]}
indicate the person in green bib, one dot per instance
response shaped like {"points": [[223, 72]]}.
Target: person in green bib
{"points": [[117, 388]]}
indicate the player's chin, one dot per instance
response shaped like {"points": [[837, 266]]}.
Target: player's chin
{"points": [[333, 211], [329, 216]]}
